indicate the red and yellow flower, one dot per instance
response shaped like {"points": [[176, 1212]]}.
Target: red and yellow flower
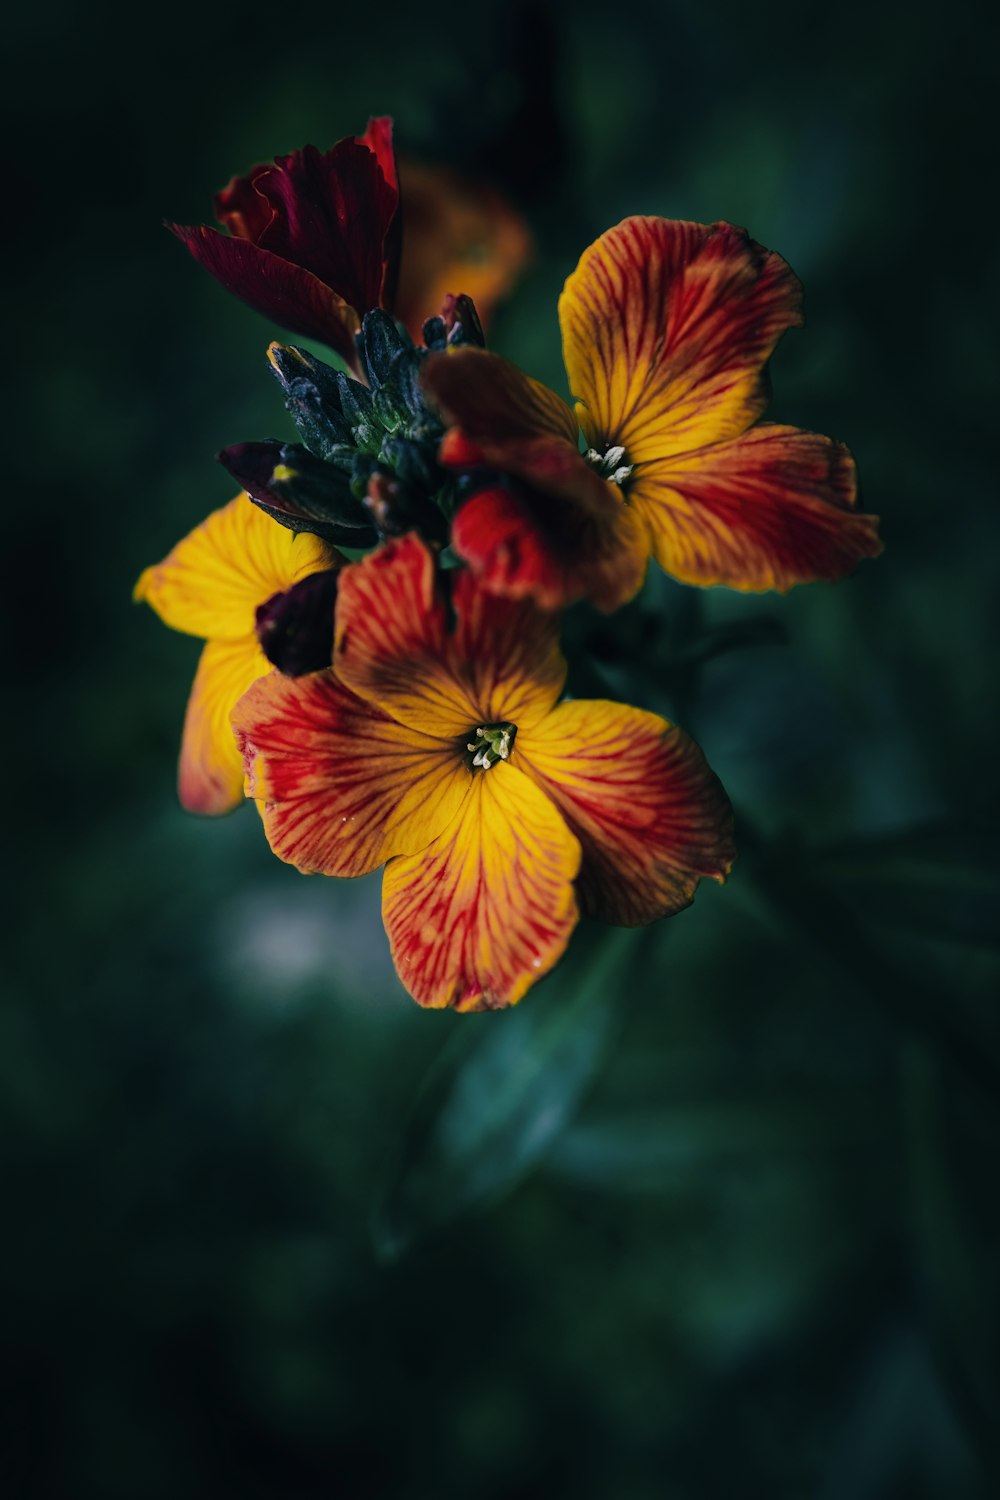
{"points": [[667, 327], [437, 745], [315, 239], [211, 585]]}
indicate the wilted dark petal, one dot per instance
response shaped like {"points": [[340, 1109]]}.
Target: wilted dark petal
{"points": [[295, 628], [285, 293]]}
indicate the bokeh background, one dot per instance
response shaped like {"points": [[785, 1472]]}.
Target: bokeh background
{"points": [[714, 1213]]}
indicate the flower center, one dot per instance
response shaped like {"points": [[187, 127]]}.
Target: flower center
{"points": [[493, 742], [611, 465]]}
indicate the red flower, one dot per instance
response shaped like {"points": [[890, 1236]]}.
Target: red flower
{"points": [[314, 239]]}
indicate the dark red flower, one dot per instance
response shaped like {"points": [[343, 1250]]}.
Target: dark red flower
{"points": [[314, 237]]}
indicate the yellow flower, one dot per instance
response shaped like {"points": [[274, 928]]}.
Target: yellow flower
{"points": [[211, 585]]}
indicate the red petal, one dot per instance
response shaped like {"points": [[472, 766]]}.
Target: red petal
{"points": [[281, 291], [332, 214], [394, 645], [491, 399], [768, 510], [560, 534], [378, 139]]}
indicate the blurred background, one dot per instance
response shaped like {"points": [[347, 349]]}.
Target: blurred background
{"points": [[714, 1213]]}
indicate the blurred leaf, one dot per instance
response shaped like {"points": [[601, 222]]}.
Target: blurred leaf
{"points": [[958, 1276], [812, 904], [650, 1152], [939, 882], [502, 1092]]}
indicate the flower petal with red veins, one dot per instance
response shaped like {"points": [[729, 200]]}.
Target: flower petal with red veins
{"points": [[651, 817], [284, 293], [210, 773], [396, 646], [488, 909], [212, 582], [493, 401], [666, 329], [461, 236], [561, 535], [769, 510], [343, 786]]}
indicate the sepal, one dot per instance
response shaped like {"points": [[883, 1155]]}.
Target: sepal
{"points": [[299, 490], [312, 399]]}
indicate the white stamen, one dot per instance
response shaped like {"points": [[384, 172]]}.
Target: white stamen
{"points": [[613, 457], [620, 475]]}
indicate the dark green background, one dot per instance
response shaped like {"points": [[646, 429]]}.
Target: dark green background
{"points": [[714, 1213]]}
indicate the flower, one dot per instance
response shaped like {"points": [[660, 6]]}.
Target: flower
{"points": [[212, 585], [436, 745], [666, 329], [314, 239], [459, 236]]}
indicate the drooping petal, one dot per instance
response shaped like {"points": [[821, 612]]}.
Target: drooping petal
{"points": [[560, 534], [343, 787], [212, 582], [475, 919], [651, 817], [492, 401], [666, 329], [287, 294], [210, 773], [768, 510], [496, 660], [459, 236]]}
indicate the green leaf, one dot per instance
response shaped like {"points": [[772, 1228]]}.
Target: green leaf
{"points": [[502, 1092]]}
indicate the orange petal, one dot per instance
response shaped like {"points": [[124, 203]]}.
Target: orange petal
{"points": [[768, 510], [212, 582], [210, 775], [458, 236], [493, 401], [666, 328], [562, 534], [650, 815], [488, 909], [343, 786], [395, 646]]}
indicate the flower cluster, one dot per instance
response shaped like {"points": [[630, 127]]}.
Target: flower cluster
{"points": [[405, 706]]}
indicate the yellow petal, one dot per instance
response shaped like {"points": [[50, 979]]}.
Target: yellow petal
{"points": [[651, 816], [210, 777], [212, 582], [489, 907], [666, 328], [342, 786]]}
